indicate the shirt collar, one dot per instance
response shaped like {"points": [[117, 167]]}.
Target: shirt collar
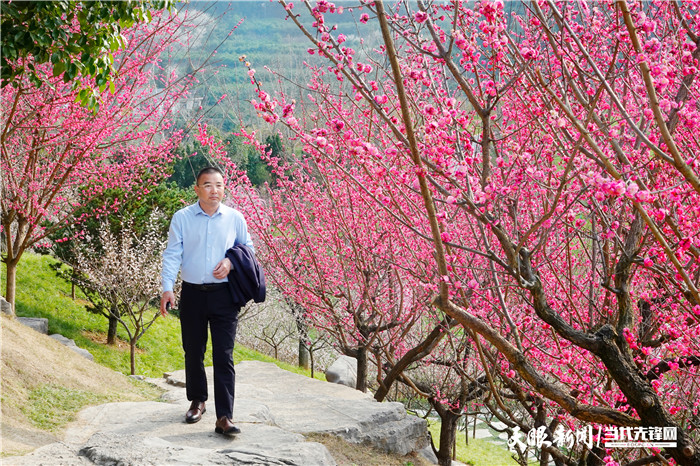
{"points": [[199, 210]]}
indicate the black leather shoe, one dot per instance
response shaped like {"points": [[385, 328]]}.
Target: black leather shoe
{"points": [[224, 426], [197, 408]]}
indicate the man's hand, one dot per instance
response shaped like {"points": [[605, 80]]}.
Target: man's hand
{"points": [[222, 268], [167, 298]]}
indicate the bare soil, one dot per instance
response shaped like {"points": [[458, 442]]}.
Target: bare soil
{"points": [[29, 360], [347, 454], [101, 338]]}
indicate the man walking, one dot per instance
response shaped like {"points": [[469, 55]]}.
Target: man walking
{"points": [[199, 237]]}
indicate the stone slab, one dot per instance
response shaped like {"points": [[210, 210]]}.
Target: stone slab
{"points": [[273, 409]]}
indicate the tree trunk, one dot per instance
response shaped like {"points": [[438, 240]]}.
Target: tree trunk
{"points": [[303, 354], [361, 383], [112, 330], [10, 286], [544, 458], [594, 457], [303, 330], [132, 344], [642, 397], [311, 359], [448, 435]]}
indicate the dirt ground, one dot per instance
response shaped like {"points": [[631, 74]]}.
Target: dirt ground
{"points": [[29, 360], [346, 454]]}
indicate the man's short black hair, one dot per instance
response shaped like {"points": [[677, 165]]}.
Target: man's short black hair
{"points": [[208, 170]]}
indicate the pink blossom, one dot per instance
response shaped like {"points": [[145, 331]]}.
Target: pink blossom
{"points": [[337, 124], [420, 16]]}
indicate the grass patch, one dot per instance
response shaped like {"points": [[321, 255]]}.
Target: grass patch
{"points": [[50, 407], [44, 384], [479, 452]]}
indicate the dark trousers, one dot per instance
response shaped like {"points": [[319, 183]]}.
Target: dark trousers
{"points": [[213, 309]]}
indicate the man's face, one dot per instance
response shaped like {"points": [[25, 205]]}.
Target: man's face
{"points": [[210, 189]]}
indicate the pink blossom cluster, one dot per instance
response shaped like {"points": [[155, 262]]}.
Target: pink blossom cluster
{"points": [[545, 183], [57, 154]]}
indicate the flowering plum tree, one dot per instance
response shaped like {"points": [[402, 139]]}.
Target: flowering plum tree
{"points": [[537, 172], [334, 261], [338, 259], [57, 153]]}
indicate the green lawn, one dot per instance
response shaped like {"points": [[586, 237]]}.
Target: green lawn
{"points": [[479, 452]]}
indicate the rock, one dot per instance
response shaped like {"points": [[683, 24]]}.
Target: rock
{"points": [[5, 306], [49, 455], [83, 352], [71, 344], [62, 340], [343, 371], [155, 433], [385, 426], [304, 405], [430, 455], [268, 446], [173, 381], [39, 324]]}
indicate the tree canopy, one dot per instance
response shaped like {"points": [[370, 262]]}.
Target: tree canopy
{"points": [[76, 38]]}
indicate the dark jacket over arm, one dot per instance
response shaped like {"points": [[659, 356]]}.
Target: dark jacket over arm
{"points": [[246, 279]]}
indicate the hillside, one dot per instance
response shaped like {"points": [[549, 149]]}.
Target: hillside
{"points": [[259, 30], [44, 383]]}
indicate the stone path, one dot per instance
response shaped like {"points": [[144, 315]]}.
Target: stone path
{"points": [[484, 432], [273, 409]]}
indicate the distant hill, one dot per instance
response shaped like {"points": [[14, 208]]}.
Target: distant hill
{"points": [[260, 32], [266, 39]]}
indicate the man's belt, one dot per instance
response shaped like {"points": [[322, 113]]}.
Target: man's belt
{"points": [[206, 286]]}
